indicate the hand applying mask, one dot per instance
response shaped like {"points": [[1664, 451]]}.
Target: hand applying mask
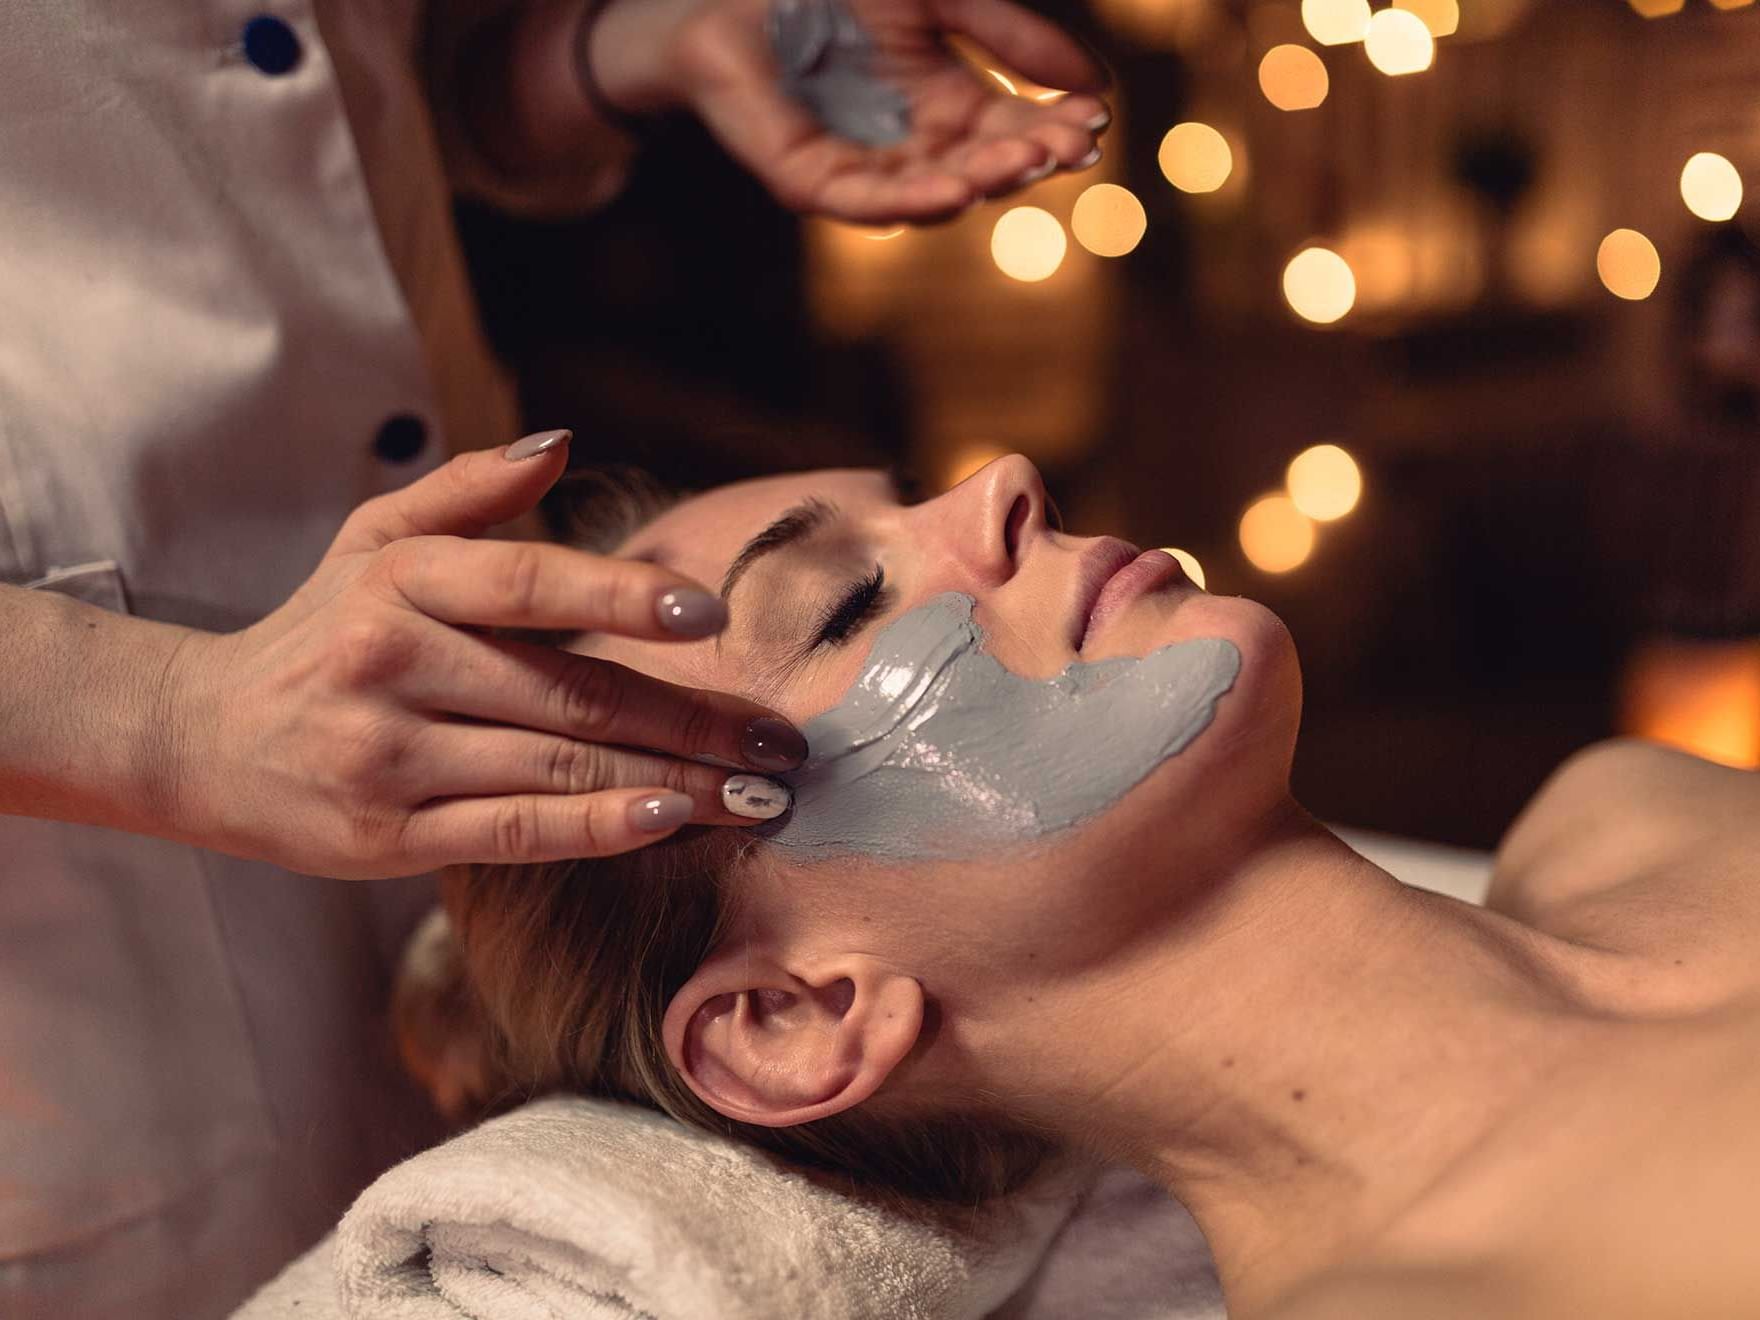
{"points": [[855, 109]]}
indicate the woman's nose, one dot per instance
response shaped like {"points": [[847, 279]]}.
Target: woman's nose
{"points": [[990, 517]]}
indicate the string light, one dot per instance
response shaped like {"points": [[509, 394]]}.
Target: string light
{"points": [[1293, 78], [1195, 158], [1324, 482], [1108, 220], [1628, 264], [1028, 244], [1275, 535], [1335, 22], [1319, 286], [1710, 186], [1189, 563], [1398, 43], [1442, 17]]}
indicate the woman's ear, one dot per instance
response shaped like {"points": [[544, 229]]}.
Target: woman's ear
{"points": [[766, 1043]]}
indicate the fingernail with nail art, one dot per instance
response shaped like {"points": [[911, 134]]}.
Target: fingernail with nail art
{"points": [[755, 797], [540, 442], [1092, 158]]}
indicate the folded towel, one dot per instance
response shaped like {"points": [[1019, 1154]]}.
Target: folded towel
{"points": [[571, 1207]]}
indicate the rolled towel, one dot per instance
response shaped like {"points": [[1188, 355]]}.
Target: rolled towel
{"points": [[570, 1207]]}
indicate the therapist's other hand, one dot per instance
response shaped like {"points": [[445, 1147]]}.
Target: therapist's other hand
{"points": [[374, 726], [969, 138]]}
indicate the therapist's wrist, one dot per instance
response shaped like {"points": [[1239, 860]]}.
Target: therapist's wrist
{"points": [[627, 57]]}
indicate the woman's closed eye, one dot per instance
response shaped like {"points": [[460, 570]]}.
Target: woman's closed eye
{"points": [[860, 603]]}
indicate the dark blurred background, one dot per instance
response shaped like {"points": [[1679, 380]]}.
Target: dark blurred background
{"points": [[1543, 366]]}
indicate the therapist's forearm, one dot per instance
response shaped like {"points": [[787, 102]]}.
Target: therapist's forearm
{"points": [[523, 101], [86, 732]]}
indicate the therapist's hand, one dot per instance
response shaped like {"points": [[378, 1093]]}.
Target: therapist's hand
{"points": [[373, 726], [969, 138]]}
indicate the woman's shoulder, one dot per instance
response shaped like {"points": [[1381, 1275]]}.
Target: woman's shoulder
{"points": [[1647, 852], [1625, 1190]]}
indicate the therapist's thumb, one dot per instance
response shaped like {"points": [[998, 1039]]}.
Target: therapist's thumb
{"points": [[464, 497]]}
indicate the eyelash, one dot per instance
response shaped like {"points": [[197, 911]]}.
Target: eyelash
{"points": [[858, 604]]}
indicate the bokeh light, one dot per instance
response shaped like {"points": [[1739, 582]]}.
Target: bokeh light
{"points": [[1324, 482], [1275, 535], [966, 460], [1293, 78], [1398, 43], [1656, 8], [1703, 697], [1335, 22], [1628, 264], [1195, 157], [1189, 562], [1731, 4], [1442, 17], [1108, 220], [1710, 186], [1319, 286], [1028, 244]]}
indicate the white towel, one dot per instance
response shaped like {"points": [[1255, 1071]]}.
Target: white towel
{"points": [[570, 1207]]}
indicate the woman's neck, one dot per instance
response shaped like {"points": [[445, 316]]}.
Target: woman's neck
{"points": [[1301, 1053]]}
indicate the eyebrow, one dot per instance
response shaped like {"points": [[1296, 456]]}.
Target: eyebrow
{"points": [[795, 525]]}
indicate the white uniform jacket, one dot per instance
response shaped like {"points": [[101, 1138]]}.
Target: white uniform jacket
{"points": [[231, 308]]}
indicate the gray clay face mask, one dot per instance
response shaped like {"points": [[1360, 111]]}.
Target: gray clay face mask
{"points": [[938, 751], [825, 59]]}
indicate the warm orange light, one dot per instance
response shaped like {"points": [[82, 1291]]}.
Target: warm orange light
{"points": [[1324, 482], [1398, 43], [1656, 8], [1275, 535], [1028, 244], [1335, 22], [967, 460], [1710, 186], [1195, 158], [1189, 562], [1319, 286], [1703, 697], [1108, 220], [1731, 4], [1293, 78], [1442, 17], [1628, 264]]}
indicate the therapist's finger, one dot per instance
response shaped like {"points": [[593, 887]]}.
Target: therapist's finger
{"points": [[463, 497], [542, 827], [480, 761], [543, 688], [537, 584]]}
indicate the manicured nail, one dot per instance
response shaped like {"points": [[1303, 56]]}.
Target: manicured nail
{"points": [[691, 613], [772, 744], [1099, 123], [755, 797], [1092, 158], [540, 442], [663, 811], [1037, 172]]}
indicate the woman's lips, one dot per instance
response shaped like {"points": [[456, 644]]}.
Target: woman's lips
{"points": [[1149, 570]]}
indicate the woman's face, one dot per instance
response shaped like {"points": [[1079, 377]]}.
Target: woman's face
{"points": [[814, 565]]}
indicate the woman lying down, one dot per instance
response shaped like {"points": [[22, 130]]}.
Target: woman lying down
{"points": [[1043, 885]]}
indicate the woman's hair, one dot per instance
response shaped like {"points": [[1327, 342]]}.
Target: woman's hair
{"points": [[556, 977]]}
